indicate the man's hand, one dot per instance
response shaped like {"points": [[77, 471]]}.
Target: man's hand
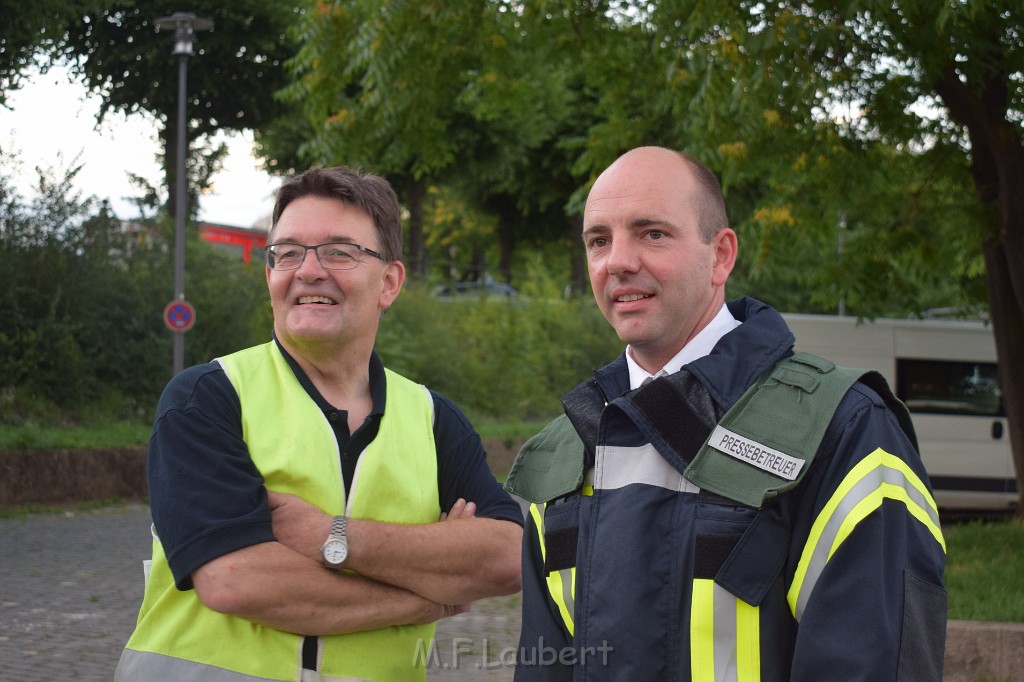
{"points": [[298, 525], [436, 612], [460, 510]]}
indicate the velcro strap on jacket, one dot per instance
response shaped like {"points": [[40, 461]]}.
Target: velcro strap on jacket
{"points": [[548, 465], [765, 443]]}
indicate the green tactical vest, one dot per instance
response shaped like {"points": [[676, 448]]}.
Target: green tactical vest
{"points": [[294, 447], [759, 450]]}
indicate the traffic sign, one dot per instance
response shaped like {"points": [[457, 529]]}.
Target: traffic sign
{"points": [[179, 316]]}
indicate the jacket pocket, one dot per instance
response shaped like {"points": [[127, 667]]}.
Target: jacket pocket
{"points": [[561, 533]]}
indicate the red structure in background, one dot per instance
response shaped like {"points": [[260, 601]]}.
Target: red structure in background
{"points": [[244, 241]]}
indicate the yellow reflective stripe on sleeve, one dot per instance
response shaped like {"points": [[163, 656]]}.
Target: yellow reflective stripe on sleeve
{"points": [[702, 631], [877, 477], [560, 583], [748, 642], [725, 636]]}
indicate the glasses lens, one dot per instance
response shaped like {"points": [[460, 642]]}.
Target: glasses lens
{"points": [[338, 256], [285, 256], [335, 256]]}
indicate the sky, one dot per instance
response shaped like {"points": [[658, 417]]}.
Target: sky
{"points": [[51, 121]]}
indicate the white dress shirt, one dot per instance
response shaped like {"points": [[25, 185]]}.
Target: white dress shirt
{"points": [[698, 347]]}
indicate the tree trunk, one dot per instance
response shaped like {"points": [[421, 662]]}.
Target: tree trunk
{"points": [[1004, 264], [1008, 328], [508, 222], [415, 191], [997, 164]]}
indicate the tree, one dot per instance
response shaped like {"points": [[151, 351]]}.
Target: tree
{"points": [[379, 82], [29, 29], [232, 79], [532, 105], [82, 300], [941, 82], [468, 94]]}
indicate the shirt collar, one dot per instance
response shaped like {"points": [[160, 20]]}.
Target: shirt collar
{"points": [[378, 383], [699, 346]]}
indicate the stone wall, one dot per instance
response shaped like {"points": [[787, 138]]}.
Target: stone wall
{"points": [[69, 477]]}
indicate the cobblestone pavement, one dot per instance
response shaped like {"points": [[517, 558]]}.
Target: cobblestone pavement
{"points": [[71, 584]]}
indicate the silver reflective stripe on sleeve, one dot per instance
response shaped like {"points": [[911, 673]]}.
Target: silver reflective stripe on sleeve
{"points": [[616, 467], [878, 477]]}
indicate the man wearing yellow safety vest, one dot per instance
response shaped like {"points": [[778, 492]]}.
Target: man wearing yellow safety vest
{"points": [[314, 513], [712, 506]]}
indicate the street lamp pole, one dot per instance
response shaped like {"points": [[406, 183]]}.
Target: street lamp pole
{"points": [[180, 318]]}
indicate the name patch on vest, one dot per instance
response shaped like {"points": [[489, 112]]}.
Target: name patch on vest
{"points": [[755, 454]]}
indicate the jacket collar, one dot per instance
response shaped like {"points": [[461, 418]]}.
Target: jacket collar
{"points": [[736, 361]]}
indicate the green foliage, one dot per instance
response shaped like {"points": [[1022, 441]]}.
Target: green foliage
{"points": [[983, 568], [82, 307], [28, 28], [238, 64], [358, 72], [498, 359], [459, 93], [116, 50], [513, 108], [885, 233]]}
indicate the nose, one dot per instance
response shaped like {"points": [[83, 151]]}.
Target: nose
{"points": [[310, 269], [623, 257]]}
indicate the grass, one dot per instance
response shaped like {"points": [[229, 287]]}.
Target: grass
{"points": [[120, 434], [36, 436], [985, 570], [508, 432]]}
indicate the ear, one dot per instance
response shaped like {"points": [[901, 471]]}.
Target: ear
{"points": [[724, 248], [393, 278]]}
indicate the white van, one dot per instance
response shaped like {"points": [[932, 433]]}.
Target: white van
{"points": [[945, 372]]}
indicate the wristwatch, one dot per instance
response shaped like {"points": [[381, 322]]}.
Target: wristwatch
{"points": [[335, 549]]}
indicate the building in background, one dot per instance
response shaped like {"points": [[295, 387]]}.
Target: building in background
{"points": [[247, 242]]}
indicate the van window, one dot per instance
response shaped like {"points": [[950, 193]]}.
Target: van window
{"points": [[949, 387]]}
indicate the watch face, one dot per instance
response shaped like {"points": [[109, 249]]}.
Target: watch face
{"points": [[335, 552]]}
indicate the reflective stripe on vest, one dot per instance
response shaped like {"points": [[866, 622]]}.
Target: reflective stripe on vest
{"points": [[725, 636], [143, 665], [876, 478], [561, 584], [294, 448]]}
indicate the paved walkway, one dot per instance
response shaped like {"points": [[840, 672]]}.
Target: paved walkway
{"points": [[71, 584], [70, 587]]}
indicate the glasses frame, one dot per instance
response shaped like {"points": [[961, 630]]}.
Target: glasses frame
{"points": [[268, 254]]}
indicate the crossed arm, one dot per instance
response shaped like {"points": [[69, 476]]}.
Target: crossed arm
{"points": [[402, 574]]}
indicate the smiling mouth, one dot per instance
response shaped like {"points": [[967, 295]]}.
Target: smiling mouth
{"points": [[628, 298], [303, 300]]}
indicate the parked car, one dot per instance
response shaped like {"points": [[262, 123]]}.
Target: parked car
{"points": [[477, 288]]}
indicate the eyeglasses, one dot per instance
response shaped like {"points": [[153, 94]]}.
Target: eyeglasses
{"points": [[332, 256]]}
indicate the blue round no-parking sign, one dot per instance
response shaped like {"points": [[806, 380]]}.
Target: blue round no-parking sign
{"points": [[179, 316]]}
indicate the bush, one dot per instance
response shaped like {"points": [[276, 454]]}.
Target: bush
{"points": [[505, 359], [83, 336], [82, 308]]}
